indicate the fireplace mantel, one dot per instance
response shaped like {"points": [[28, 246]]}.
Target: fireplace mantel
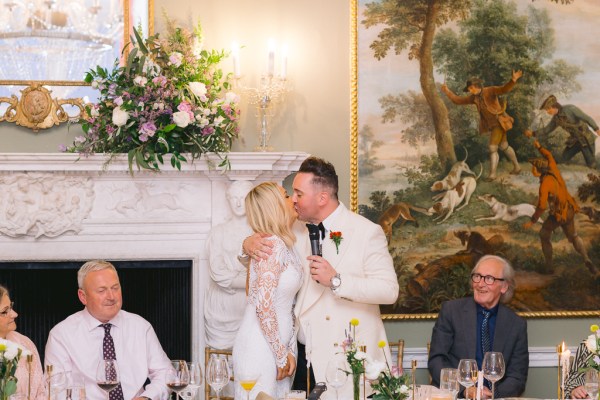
{"points": [[59, 207]]}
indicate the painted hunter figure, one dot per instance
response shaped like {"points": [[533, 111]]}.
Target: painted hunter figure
{"points": [[492, 117], [562, 207], [577, 124]]}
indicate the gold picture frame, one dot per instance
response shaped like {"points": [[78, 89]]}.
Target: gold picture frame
{"points": [[355, 63], [36, 108]]}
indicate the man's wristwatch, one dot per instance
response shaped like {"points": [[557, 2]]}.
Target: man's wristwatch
{"points": [[336, 282]]}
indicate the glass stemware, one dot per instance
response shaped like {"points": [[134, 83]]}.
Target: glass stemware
{"points": [[217, 374], [467, 373], [178, 377], [248, 380], [57, 382], [196, 377], [493, 367], [335, 374], [107, 375], [449, 381], [591, 383]]}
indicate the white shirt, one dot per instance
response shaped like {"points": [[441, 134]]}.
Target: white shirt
{"points": [[75, 345]]}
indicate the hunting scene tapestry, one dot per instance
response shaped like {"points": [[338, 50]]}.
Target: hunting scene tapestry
{"points": [[478, 134]]}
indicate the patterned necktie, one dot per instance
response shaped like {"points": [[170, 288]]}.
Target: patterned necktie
{"points": [[108, 350], [485, 339]]}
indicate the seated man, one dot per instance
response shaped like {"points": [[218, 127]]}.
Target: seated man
{"points": [[103, 330], [470, 327]]}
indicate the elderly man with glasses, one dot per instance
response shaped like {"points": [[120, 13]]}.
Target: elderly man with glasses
{"points": [[471, 326]]}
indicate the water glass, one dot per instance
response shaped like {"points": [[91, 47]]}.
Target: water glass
{"points": [[493, 368], [217, 374], [591, 383], [449, 381], [335, 374], [467, 373]]}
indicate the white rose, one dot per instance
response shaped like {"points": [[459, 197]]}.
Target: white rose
{"points": [[11, 351], [181, 118], [218, 121], [120, 116], [404, 389], [360, 355], [140, 80], [94, 112], [373, 369], [198, 88], [591, 343], [231, 97]]}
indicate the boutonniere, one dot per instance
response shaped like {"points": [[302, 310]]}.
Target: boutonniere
{"points": [[337, 239]]}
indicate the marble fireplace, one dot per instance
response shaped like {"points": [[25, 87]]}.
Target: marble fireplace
{"points": [[59, 208]]}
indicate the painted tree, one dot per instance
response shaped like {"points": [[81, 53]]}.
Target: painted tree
{"points": [[411, 25]]}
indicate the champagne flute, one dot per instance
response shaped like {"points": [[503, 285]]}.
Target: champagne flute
{"points": [[335, 374], [591, 383], [449, 381], [195, 381], [218, 373], [107, 375], [247, 381], [493, 367], [467, 373], [178, 377]]}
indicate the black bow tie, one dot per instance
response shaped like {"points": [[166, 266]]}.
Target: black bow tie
{"points": [[315, 229]]}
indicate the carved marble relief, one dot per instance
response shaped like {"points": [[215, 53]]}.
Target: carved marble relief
{"points": [[38, 204]]}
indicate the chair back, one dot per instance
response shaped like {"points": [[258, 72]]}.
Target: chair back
{"points": [[208, 352], [397, 349]]}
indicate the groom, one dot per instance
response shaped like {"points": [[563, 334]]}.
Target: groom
{"points": [[348, 281]]}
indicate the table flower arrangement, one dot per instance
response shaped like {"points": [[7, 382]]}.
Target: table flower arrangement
{"points": [[170, 97], [387, 383], [10, 354], [593, 345]]}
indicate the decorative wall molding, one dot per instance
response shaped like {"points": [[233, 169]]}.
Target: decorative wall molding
{"points": [[539, 357]]}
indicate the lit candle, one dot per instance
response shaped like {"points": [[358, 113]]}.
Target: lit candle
{"points": [[235, 53], [271, 63], [284, 59]]}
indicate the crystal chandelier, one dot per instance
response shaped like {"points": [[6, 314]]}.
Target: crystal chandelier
{"points": [[58, 40]]}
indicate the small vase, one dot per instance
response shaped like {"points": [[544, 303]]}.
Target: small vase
{"points": [[356, 378]]}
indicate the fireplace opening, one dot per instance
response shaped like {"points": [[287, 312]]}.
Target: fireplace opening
{"points": [[160, 291]]}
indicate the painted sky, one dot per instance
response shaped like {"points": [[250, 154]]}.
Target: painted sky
{"points": [[576, 39]]}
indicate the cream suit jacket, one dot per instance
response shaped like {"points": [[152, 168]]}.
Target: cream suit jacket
{"points": [[368, 279]]}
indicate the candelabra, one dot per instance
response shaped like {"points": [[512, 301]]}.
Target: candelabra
{"points": [[270, 92]]}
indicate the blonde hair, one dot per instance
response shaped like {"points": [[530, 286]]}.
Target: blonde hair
{"points": [[91, 266], [267, 212]]}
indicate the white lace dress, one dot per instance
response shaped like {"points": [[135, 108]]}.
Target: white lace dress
{"points": [[267, 333]]}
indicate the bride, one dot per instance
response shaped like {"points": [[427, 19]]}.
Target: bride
{"points": [[265, 346]]}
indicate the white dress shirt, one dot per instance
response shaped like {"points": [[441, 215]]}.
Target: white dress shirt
{"points": [[75, 345]]}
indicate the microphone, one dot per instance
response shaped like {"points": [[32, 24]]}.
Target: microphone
{"points": [[315, 245], [316, 393]]}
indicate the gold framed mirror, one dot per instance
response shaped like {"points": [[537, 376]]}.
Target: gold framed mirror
{"points": [[45, 45]]}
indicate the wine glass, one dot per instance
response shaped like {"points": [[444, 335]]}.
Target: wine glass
{"points": [[178, 377], [195, 381], [217, 373], [493, 367], [449, 381], [57, 382], [247, 381], [107, 375], [335, 374], [591, 383], [467, 373]]}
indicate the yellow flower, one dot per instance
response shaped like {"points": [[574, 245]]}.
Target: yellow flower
{"points": [[594, 328], [2, 347], [381, 344], [354, 322]]}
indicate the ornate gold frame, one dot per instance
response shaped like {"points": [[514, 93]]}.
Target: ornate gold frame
{"points": [[354, 177], [37, 109]]}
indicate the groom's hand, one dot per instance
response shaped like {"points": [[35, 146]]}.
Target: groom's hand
{"points": [[320, 270]]}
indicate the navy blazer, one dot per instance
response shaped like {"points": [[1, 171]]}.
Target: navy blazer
{"points": [[454, 337]]}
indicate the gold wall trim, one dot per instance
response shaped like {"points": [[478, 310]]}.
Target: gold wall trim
{"points": [[354, 105], [529, 314]]}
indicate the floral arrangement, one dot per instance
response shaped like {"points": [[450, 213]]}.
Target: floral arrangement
{"points": [[10, 354], [387, 383], [169, 98], [337, 239]]}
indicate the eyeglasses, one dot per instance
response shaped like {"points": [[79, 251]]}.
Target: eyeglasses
{"points": [[488, 279], [7, 311]]}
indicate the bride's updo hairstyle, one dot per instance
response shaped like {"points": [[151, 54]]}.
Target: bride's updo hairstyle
{"points": [[268, 212]]}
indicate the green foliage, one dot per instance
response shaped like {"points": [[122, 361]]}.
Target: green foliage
{"points": [[367, 148], [590, 189]]}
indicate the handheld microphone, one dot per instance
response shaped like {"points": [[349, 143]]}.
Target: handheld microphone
{"points": [[315, 245], [316, 393]]}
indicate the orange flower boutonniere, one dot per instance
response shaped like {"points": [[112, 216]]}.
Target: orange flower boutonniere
{"points": [[337, 239]]}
